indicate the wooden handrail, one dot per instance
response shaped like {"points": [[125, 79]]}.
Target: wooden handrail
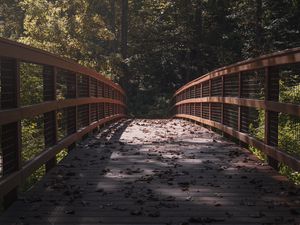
{"points": [[291, 109], [27, 53], [251, 85], [90, 104], [288, 56], [12, 115]]}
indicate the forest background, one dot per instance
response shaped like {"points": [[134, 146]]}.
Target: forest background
{"points": [[152, 47]]}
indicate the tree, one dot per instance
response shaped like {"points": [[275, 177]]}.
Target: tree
{"points": [[124, 28], [165, 44], [11, 19], [73, 29], [113, 22]]}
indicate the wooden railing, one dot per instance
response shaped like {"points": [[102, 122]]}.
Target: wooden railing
{"points": [[82, 98], [253, 101]]}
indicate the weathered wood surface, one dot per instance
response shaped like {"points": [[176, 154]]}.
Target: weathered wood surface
{"points": [[158, 172]]}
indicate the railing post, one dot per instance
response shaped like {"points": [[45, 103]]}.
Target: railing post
{"points": [[209, 111], [271, 118], [11, 147], [210, 89], [194, 91], [209, 104], [242, 144], [72, 123], [239, 96], [222, 104], [89, 95], [50, 121]]}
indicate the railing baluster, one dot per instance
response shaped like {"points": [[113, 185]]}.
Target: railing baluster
{"points": [[271, 118], [50, 121], [72, 123], [11, 147]]}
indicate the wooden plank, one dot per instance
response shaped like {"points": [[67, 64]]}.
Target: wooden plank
{"points": [[105, 181], [277, 154]]}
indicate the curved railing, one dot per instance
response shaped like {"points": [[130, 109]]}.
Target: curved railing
{"points": [[67, 101], [255, 101]]}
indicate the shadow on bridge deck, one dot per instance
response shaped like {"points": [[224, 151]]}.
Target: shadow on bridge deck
{"points": [[158, 172]]}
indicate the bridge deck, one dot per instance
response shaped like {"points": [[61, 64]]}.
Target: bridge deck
{"points": [[158, 172]]}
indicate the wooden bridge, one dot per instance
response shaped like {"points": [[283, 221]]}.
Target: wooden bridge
{"points": [[192, 169]]}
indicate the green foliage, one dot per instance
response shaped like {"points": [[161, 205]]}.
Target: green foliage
{"points": [[11, 19], [288, 126], [72, 29], [33, 178], [291, 174], [257, 130], [31, 84], [32, 138], [257, 127], [290, 93], [61, 155], [169, 42], [32, 145], [31, 91], [289, 134]]}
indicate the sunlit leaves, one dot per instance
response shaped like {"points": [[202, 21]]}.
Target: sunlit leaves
{"points": [[73, 29]]}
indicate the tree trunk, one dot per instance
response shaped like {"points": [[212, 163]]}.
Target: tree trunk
{"points": [[124, 28], [258, 29], [113, 23], [197, 53]]}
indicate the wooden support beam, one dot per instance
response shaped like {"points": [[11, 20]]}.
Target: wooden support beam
{"points": [[291, 109], [50, 121], [11, 147], [271, 118]]}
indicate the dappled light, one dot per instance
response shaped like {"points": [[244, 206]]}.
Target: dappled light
{"points": [[150, 112], [158, 172]]}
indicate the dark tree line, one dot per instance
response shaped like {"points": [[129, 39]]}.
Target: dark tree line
{"points": [[152, 47]]}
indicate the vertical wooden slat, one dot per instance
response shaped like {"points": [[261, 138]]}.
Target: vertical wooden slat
{"points": [[222, 104], [209, 104], [50, 126], [72, 124], [271, 118], [194, 96], [239, 96], [210, 111], [89, 95], [240, 89], [97, 87], [50, 121], [11, 147]]}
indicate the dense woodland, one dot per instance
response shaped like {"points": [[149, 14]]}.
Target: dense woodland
{"points": [[152, 47]]}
